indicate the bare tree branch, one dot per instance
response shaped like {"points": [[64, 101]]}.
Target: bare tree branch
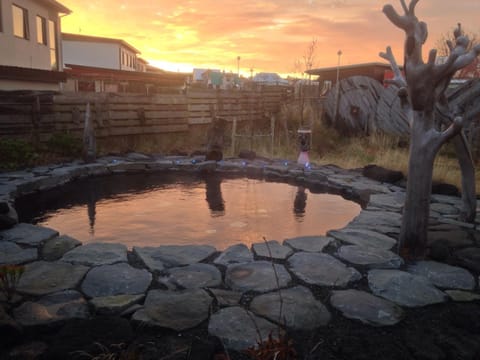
{"points": [[398, 79]]}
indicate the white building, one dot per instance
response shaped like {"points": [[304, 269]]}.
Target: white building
{"points": [[99, 52], [265, 78], [30, 51]]}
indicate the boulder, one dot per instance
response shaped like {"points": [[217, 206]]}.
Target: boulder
{"points": [[300, 309], [256, 276], [382, 174], [52, 308], [240, 329], [116, 279], [177, 310], [321, 269], [95, 254], [404, 289], [42, 277], [367, 308]]}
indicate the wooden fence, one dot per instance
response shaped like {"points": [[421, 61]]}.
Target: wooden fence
{"points": [[40, 115]]}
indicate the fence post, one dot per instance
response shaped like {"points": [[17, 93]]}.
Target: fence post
{"points": [[234, 134], [36, 120], [89, 143], [272, 133]]}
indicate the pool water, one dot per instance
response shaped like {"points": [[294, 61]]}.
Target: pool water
{"points": [[166, 209]]}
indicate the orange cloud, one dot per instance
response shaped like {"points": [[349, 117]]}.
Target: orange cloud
{"points": [[268, 35]]}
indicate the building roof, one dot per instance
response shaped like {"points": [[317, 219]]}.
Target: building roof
{"points": [[27, 74], [88, 72], [98, 39], [375, 70], [56, 5]]}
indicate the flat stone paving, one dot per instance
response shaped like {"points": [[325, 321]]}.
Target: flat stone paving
{"points": [[241, 292]]}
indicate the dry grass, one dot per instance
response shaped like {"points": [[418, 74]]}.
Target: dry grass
{"points": [[329, 147]]}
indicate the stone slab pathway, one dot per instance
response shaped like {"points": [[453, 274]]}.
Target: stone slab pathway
{"points": [[238, 292]]}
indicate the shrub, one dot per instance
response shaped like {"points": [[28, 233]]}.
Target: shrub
{"points": [[9, 277], [64, 144], [15, 153]]}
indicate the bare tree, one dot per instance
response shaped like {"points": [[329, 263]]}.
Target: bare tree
{"points": [[450, 37], [309, 58], [432, 122]]}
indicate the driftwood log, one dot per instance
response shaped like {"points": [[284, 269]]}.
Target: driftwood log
{"points": [[89, 141], [357, 104], [422, 95], [383, 111]]}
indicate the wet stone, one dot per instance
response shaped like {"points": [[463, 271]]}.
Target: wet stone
{"points": [[444, 209], [95, 254], [12, 254], [234, 254], [8, 215], [363, 237], [462, 296], [65, 305], [27, 234], [443, 275], [322, 269], [116, 304], [256, 276], [453, 238], [272, 249], [390, 201], [158, 258], [404, 289], [469, 257], [239, 329], [30, 350], [56, 247], [372, 219], [41, 277], [226, 297], [195, 276], [117, 279], [309, 243], [372, 257], [367, 308], [300, 309], [177, 310]]}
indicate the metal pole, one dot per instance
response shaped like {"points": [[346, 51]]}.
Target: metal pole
{"points": [[337, 94]]}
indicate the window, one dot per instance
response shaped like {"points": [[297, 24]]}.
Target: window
{"points": [[20, 22], [41, 30], [52, 43]]}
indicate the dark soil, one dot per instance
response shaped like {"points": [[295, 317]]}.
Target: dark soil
{"points": [[447, 331]]}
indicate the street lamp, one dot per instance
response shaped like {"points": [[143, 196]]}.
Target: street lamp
{"points": [[238, 66], [337, 94]]}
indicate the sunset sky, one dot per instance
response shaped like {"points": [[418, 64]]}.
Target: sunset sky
{"points": [[268, 35]]}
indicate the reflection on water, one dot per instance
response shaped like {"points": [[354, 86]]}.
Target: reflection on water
{"points": [[152, 210], [300, 202], [214, 195]]}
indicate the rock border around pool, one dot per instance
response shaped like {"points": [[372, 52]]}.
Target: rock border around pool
{"points": [[239, 292]]}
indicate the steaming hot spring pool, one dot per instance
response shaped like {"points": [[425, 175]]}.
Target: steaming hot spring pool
{"points": [[181, 209]]}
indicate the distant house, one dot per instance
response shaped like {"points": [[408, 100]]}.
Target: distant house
{"points": [[92, 79], [99, 64], [375, 70], [30, 43], [266, 78], [215, 79], [142, 65], [99, 52]]}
